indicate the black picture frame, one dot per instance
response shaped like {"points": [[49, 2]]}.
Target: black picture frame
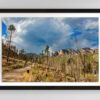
{"points": [[49, 11]]}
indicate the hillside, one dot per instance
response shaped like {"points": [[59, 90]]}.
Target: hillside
{"points": [[65, 65]]}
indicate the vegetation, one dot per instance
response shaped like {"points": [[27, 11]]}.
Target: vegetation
{"points": [[11, 30], [64, 70], [47, 52]]}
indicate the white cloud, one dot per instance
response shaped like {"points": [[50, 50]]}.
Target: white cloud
{"points": [[94, 47], [4, 39], [23, 24], [61, 26], [91, 24], [51, 50], [85, 43]]}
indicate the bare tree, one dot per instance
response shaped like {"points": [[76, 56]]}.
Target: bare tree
{"points": [[77, 67]]}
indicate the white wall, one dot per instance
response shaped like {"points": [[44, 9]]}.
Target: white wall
{"points": [[49, 3], [50, 95]]}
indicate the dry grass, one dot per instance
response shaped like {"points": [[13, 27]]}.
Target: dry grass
{"points": [[12, 64], [60, 69]]}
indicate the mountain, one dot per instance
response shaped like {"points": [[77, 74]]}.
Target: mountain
{"points": [[63, 52], [86, 51], [35, 55]]}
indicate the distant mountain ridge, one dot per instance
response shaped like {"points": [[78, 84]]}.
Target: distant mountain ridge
{"points": [[75, 52], [35, 55]]}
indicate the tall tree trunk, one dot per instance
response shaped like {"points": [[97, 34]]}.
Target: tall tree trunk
{"points": [[9, 47], [47, 59], [84, 66]]}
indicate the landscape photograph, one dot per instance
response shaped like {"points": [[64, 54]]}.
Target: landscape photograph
{"points": [[50, 49]]}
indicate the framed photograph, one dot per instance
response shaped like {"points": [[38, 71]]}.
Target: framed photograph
{"points": [[50, 49]]}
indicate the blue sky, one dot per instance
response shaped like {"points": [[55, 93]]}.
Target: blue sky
{"points": [[33, 34], [4, 29]]}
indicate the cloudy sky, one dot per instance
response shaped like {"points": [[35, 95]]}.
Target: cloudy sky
{"points": [[33, 34]]}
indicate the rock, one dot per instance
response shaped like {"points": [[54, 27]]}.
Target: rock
{"points": [[96, 51], [63, 52], [86, 51]]}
